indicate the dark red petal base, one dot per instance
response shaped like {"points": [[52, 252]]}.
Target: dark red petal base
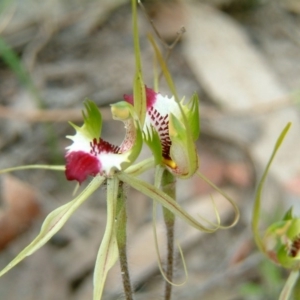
{"points": [[150, 97], [80, 165]]}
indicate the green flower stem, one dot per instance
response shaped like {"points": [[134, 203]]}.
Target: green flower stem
{"points": [[121, 241], [296, 289], [288, 287], [168, 186], [108, 251]]}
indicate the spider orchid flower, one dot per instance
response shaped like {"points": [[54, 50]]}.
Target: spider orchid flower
{"points": [[277, 243], [91, 155], [281, 241], [166, 131]]}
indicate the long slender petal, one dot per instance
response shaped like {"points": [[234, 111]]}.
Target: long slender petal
{"points": [[234, 206], [256, 207], [108, 251], [45, 167], [138, 83], [54, 221], [159, 196]]}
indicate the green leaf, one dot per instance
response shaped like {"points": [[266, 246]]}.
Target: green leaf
{"points": [[108, 251], [165, 200], [54, 222]]}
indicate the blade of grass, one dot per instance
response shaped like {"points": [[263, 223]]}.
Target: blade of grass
{"points": [[4, 4], [14, 63]]}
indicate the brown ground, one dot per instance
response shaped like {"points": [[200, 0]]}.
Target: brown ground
{"points": [[78, 49]]}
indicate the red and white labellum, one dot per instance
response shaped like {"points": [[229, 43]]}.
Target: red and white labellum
{"points": [[89, 155], [88, 158]]}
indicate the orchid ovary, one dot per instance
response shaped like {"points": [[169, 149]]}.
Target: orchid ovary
{"points": [[281, 241]]}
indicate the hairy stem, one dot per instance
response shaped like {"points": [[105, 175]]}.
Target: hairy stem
{"points": [[168, 186], [121, 241]]}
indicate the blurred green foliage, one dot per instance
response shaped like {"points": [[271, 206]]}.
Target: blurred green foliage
{"points": [[268, 286]]}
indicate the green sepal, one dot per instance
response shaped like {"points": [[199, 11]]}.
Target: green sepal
{"points": [[139, 93], [164, 199], [288, 215], [183, 151], [191, 110], [54, 222], [152, 139], [139, 97], [92, 121]]}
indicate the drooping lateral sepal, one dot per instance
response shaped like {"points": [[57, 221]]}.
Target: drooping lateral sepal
{"points": [[164, 199], [54, 222]]}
